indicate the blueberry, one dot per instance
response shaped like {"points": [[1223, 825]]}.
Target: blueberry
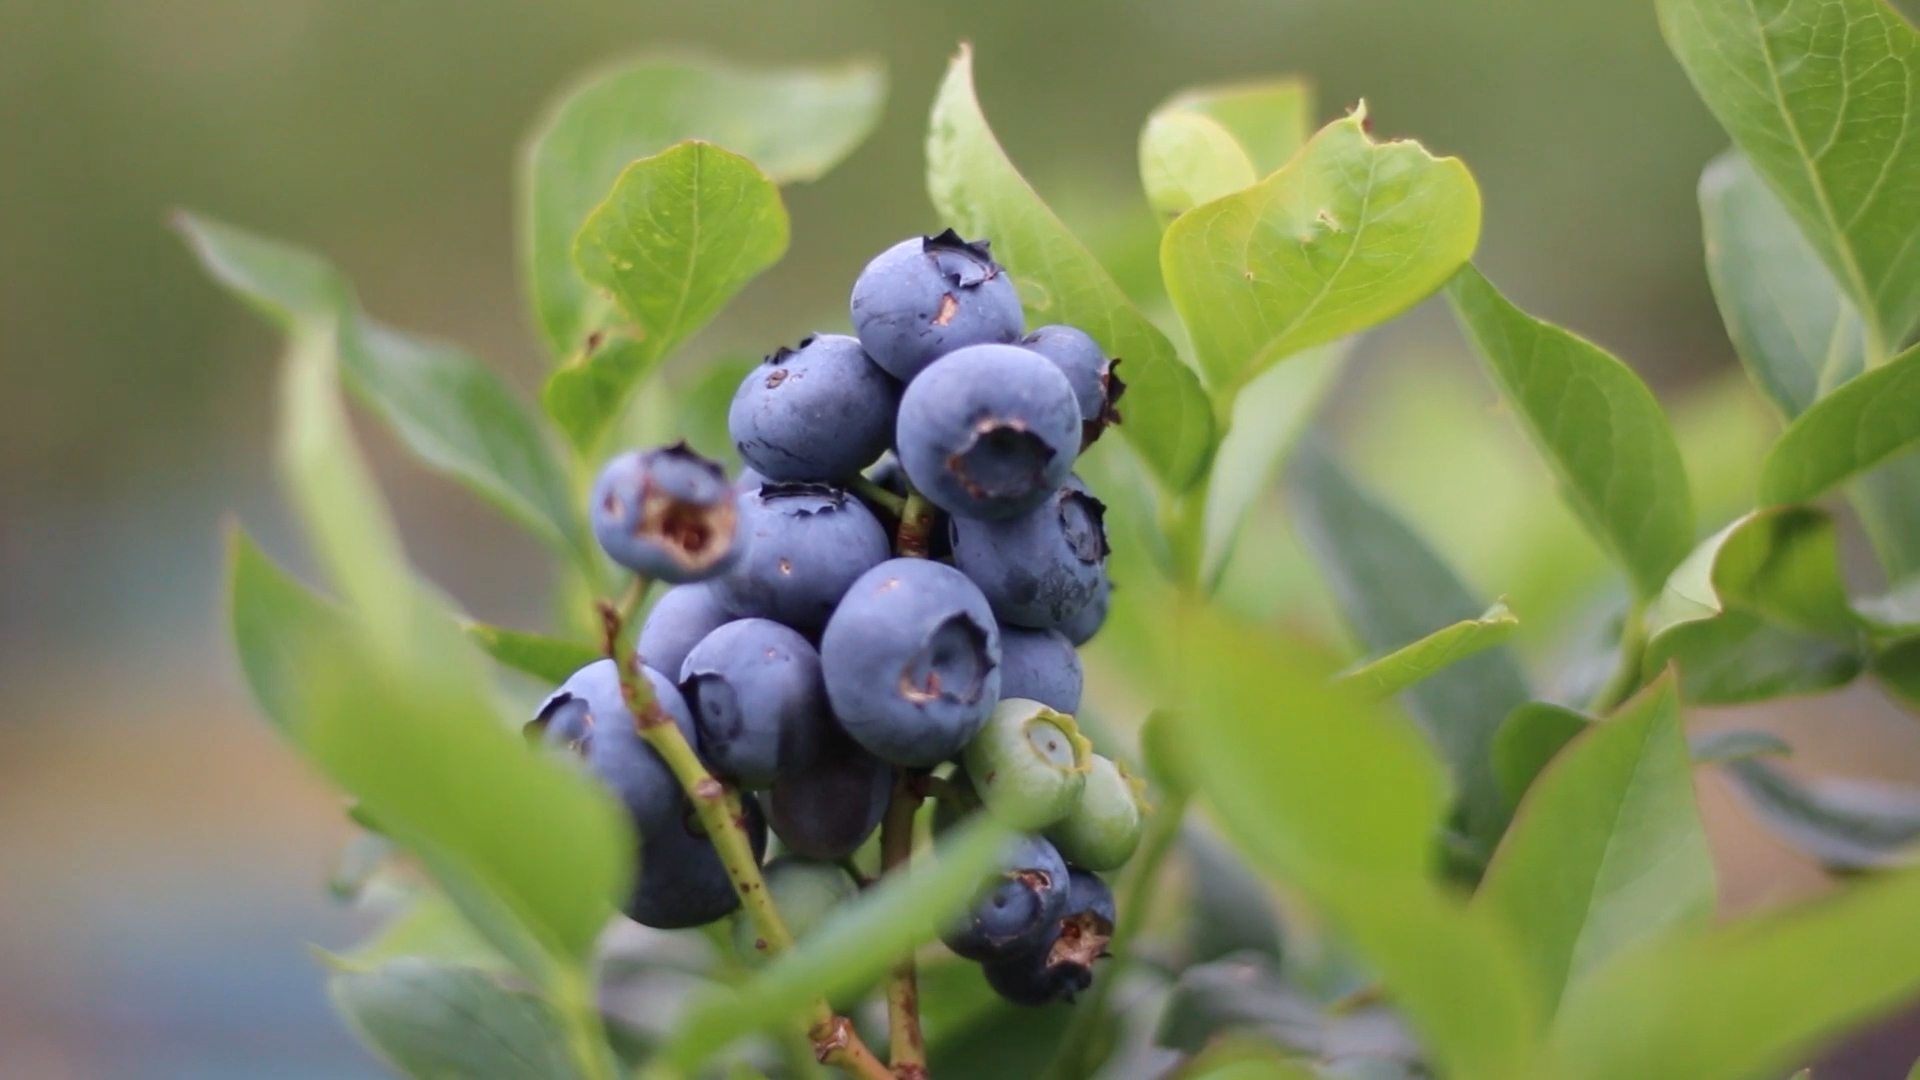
{"points": [[1029, 763], [1041, 568], [888, 474], [680, 618], [666, 514], [807, 894], [821, 412], [1019, 908], [912, 661], [806, 543], [1083, 624], [1103, 828], [829, 810], [989, 431], [682, 882], [1095, 382], [754, 688], [1061, 964], [1041, 665], [748, 480], [588, 716], [927, 296]]}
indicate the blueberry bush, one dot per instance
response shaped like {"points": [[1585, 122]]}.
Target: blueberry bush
{"points": [[819, 780]]}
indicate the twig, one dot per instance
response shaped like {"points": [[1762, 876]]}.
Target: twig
{"points": [[907, 1047], [866, 489], [916, 525]]}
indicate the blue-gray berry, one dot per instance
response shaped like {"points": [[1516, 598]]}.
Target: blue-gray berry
{"points": [[821, 412], [1040, 665], [1041, 568], [1018, 908], [588, 715], [666, 514], [1095, 381], [927, 296], [754, 688], [989, 431], [829, 810], [678, 620], [806, 543], [682, 881]]}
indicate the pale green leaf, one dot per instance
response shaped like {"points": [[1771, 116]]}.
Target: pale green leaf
{"points": [[794, 123], [1443, 648], [551, 660], [1530, 737], [449, 411], [1166, 417], [1796, 332], [1758, 610], [1349, 234], [1188, 158], [680, 234], [1887, 499], [426, 928], [1746, 999], [1393, 590], [1596, 424], [1856, 427], [1821, 96], [1270, 119], [435, 1021], [1607, 850], [1844, 824]]}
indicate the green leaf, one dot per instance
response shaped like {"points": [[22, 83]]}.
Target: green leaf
{"points": [[1607, 850], [1244, 996], [1796, 332], [1746, 999], [1758, 611], [1596, 424], [1735, 744], [428, 928], [680, 234], [1898, 669], [1167, 418], [1349, 234], [433, 1021], [450, 412], [1010, 1040], [1887, 499], [1188, 158], [1529, 738], [1845, 824], [1268, 416], [1856, 427], [1443, 648], [701, 402], [1819, 94], [1393, 591], [1270, 119], [533, 854], [1245, 1060], [794, 123], [551, 660], [851, 951], [1228, 910]]}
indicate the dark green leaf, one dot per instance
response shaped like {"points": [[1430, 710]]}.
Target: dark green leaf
{"points": [[449, 411], [794, 123], [1007, 1041], [551, 660], [1746, 999], [1393, 590], [1607, 850], [436, 1021], [1758, 611], [1244, 1059], [1849, 431], [1735, 744], [1845, 824], [1167, 418], [1796, 332], [680, 234], [1243, 995], [1441, 649], [1349, 234], [1527, 740], [1596, 424], [1228, 909], [1820, 94]]}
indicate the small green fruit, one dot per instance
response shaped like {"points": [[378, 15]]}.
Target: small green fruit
{"points": [[1103, 828], [1029, 763], [806, 893]]}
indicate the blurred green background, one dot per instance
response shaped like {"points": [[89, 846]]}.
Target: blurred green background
{"points": [[162, 859]]}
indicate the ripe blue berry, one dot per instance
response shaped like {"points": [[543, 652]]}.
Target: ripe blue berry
{"points": [[927, 296], [680, 618], [989, 431], [666, 514], [912, 661], [1095, 383], [1040, 665], [1083, 624], [1018, 908], [826, 812], [588, 716], [806, 543], [682, 880], [822, 412], [1060, 965], [1041, 568], [807, 893], [757, 700]]}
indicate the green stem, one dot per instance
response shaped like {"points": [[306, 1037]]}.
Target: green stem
{"points": [[1626, 677], [916, 525], [586, 1037], [1131, 904], [906, 1046], [874, 493]]}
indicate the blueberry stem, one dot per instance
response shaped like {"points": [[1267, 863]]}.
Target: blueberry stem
{"points": [[583, 1032], [916, 525], [718, 805], [873, 493], [907, 1048]]}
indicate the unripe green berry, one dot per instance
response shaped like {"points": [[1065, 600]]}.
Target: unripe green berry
{"points": [[806, 892], [1029, 763], [1103, 828]]}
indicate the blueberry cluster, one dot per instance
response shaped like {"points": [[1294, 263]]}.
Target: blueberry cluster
{"points": [[895, 584]]}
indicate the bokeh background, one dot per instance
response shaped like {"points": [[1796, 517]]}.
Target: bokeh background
{"points": [[162, 858]]}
